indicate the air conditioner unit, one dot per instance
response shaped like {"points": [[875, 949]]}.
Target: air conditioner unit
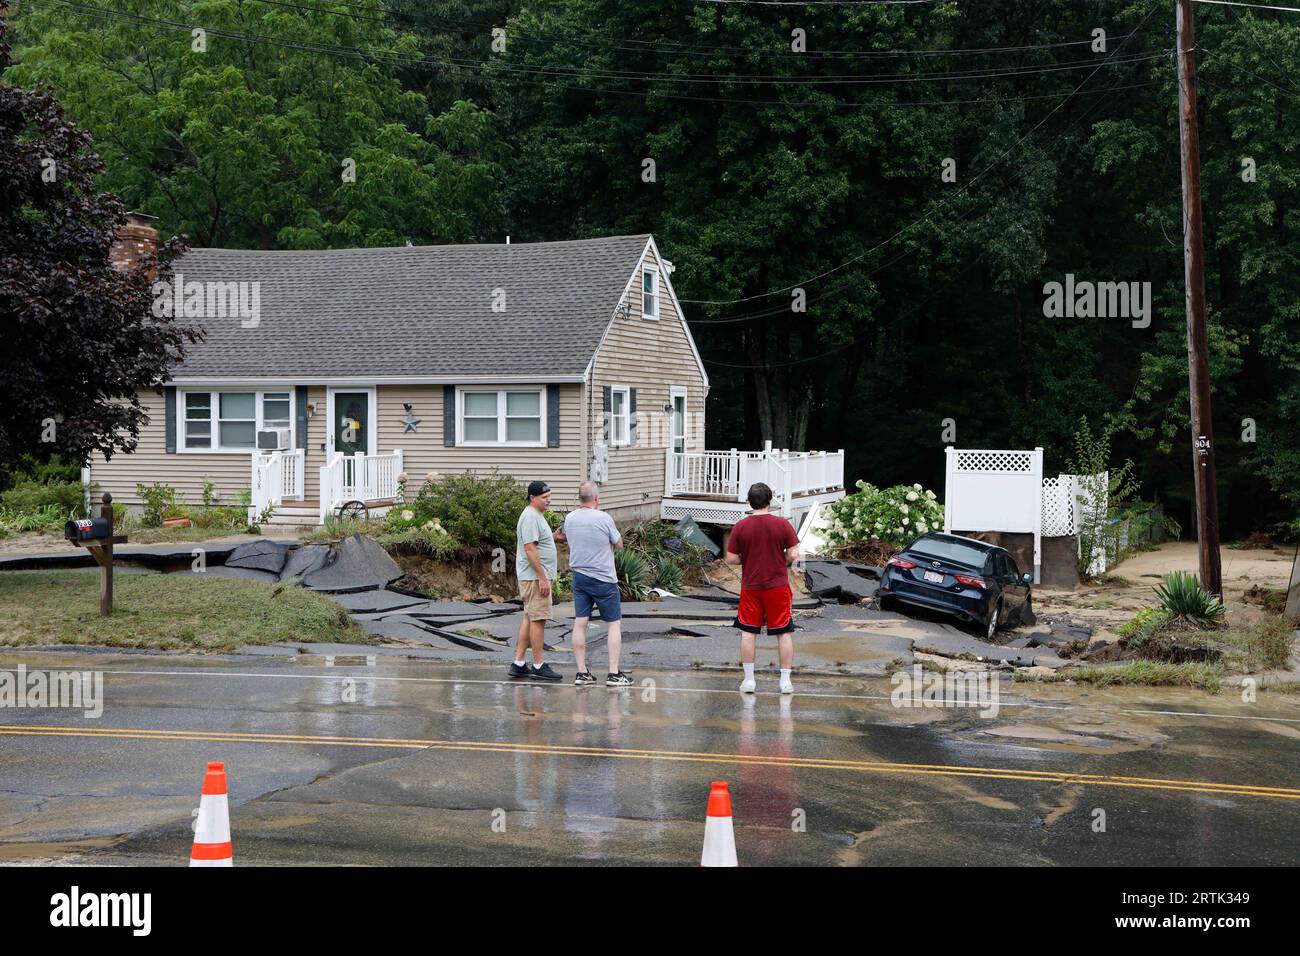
{"points": [[273, 439]]}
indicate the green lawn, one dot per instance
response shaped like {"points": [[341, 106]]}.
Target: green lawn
{"points": [[165, 611]]}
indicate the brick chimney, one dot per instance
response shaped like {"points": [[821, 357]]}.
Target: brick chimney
{"points": [[136, 239]]}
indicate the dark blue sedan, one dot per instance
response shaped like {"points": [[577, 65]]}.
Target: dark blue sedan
{"points": [[974, 581]]}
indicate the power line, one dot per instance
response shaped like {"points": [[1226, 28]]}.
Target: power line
{"points": [[398, 60], [978, 255], [962, 188], [1254, 6], [755, 79], [635, 45], [826, 3]]}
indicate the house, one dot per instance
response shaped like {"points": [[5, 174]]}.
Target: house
{"points": [[326, 374]]}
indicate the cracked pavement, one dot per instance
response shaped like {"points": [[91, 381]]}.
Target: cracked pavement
{"points": [[414, 762]]}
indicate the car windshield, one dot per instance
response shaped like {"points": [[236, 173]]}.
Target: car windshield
{"points": [[950, 551]]}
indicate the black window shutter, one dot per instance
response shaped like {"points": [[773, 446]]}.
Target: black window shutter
{"points": [[552, 416], [608, 402], [300, 413], [449, 416], [631, 421], [169, 405]]}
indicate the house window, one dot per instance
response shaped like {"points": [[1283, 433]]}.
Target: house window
{"points": [[275, 410], [230, 421], [198, 420], [501, 417], [237, 419], [619, 414], [649, 294]]}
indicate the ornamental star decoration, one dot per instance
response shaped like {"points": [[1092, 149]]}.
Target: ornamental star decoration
{"points": [[411, 421]]}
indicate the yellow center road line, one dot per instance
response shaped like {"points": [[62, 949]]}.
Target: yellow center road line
{"points": [[561, 750], [582, 750]]}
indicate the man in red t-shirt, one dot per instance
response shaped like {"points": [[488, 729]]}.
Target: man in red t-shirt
{"points": [[764, 545]]}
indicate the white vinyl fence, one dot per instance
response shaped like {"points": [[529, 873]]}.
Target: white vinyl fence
{"points": [[1004, 490], [995, 490]]}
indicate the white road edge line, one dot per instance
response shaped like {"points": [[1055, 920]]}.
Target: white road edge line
{"points": [[659, 687]]}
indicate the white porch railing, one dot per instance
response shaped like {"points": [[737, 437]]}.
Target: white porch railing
{"points": [[358, 478], [275, 477], [729, 474]]}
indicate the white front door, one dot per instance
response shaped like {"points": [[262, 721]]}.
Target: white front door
{"points": [[678, 436]]}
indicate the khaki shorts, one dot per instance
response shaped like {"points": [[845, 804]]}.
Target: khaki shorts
{"points": [[537, 606]]}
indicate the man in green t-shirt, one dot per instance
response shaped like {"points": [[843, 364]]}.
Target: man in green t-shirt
{"points": [[536, 567]]}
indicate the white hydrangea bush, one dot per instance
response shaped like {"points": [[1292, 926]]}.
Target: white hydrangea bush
{"points": [[897, 515]]}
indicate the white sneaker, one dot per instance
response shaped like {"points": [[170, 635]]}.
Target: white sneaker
{"points": [[787, 687], [747, 686]]}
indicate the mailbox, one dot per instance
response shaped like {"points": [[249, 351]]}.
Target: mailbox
{"points": [[86, 529]]}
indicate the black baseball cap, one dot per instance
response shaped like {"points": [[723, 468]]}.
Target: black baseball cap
{"points": [[536, 488]]}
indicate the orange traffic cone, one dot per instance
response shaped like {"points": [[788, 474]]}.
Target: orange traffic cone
{"points": [[719, 837], [212, 828]]}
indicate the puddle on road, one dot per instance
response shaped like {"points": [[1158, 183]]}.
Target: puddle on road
{"points": [[29, 852]]}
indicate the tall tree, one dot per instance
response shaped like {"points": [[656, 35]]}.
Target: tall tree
{"points": [[80, 338], [268, 125]]}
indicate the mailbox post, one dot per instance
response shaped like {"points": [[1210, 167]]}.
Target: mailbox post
{"points": [[96, 536]]}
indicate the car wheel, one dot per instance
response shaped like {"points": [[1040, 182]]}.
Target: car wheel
{"points": [[887, 603], [1027, 612], [992, 627]]}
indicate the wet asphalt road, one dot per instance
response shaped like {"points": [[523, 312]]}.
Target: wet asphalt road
{"points": [[412, 763]]}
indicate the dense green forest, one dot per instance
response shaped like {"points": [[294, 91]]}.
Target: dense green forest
{"points": [[778, 153]]}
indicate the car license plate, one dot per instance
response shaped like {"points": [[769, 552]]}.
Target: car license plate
{"points": [[934, 577]]}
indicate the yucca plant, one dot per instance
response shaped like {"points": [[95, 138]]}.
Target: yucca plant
{"points": [[633, 574], [668, 574], [1183, 597]]}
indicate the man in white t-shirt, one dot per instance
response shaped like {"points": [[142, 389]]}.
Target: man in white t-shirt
{"points": [[593, 538]]}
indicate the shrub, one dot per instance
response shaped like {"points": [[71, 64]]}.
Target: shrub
{"points": [[433, 541], [479, 512], [897, 515], [1264, 644], [30, 496], [1138, 629], [54, 471], [668, 575], [633, 574], [1183, 597], [47, 519], [657, 538], [336, 529], [219, 518], [158, 500]]}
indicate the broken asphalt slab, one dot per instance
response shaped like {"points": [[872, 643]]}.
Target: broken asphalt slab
{"points": [[839, 580], [305, 560], [159, 556], [360, 564], [259, 556], [377, 601]]}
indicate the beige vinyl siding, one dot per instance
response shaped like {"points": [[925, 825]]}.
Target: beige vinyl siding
{"points": [[423, 450], [151, 463], [651, 356]]}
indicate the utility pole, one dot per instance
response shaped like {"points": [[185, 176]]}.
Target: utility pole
{"points": [[1198, 366]]}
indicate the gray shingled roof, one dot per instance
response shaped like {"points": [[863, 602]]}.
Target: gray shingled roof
{"points": [[415, 310]]}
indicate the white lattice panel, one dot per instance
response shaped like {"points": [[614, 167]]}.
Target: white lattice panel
{"points": [[701, 513], [995, 490], [985, 462], [1058, 507]]}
